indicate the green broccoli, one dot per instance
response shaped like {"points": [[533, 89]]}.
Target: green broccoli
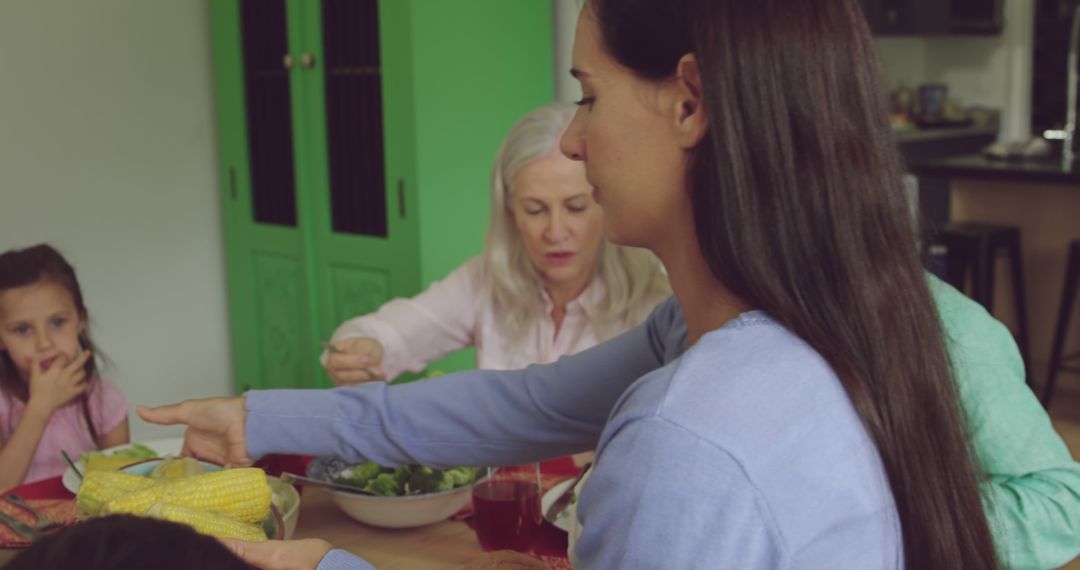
{"points": [[424, 480], [384, 484], [358, 475], [402, 474], [406, 479], [445, 483], [462, 475]]}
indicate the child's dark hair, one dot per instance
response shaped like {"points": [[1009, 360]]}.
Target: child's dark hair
{"points": [[37, 264], [123, 542]]}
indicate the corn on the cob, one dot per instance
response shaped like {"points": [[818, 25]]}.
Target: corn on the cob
{"points": [[242, 494], [100, 487], [206, 522], [177, 468]]}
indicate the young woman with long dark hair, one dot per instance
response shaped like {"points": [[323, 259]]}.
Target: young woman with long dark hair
{"points": [[813, 421], [798, 211]]}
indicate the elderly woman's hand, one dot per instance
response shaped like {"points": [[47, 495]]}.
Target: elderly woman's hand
{"points": [[355, 360], [280, 554]]}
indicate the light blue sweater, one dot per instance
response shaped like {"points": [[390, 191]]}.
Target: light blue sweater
{"points": [[744, 452]]}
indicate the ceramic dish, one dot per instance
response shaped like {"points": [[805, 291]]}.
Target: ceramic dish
{"points": [[391, 512], [564, 519]]}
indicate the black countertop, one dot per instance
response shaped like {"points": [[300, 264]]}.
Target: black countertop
{"points": [[1049, 170], [919, 135]]}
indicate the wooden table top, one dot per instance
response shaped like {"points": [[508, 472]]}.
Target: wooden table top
{"points": [[448, 544]]}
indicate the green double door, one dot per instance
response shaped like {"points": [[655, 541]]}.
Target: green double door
{"points": [[315, 112]]}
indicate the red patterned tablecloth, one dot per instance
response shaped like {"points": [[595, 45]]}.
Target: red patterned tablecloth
{"points": [[58, 503], [48, 496]]}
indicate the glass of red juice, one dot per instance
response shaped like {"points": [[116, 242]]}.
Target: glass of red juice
{"points": [[506, 508]]}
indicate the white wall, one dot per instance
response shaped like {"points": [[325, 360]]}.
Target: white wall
{"points": [[108, 152], [563, 25]]}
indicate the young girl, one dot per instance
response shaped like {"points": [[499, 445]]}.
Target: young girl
{"points": [[51, 398]]}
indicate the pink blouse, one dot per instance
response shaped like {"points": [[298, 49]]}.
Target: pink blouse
{"points": [[458, 312], [67, 429]]}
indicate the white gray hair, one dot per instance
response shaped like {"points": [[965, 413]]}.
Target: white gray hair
{"points": [[634, 278]]}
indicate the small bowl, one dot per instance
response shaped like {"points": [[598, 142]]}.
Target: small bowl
{"points": [[402, 512], [288, 501], [284, 515]]}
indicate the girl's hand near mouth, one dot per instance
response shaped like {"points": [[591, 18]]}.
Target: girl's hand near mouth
{"points": [[57, 381]]}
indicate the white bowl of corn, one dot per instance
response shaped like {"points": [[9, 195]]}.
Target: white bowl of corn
{"points": [[233, 503]]}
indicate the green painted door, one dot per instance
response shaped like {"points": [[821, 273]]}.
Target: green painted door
{"points": [[317, 173], [269, 295], [360, 152]]}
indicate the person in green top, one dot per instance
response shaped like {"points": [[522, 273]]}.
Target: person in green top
{"points": [[1032, 487]]}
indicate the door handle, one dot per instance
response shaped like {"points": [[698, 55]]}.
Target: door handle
{"points": [[401, 197], [232, 183]]}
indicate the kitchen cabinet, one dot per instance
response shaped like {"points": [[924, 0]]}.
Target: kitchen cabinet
{"points": [[933, 17], [346, 127]]}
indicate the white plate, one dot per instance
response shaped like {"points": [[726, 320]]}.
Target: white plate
{"points": [[163, 447], [564, 519]]}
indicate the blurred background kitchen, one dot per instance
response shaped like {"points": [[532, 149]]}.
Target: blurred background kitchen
{"points": [[220, 236], [980, 93]]}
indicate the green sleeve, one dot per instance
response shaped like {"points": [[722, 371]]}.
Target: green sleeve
{"points": [[1032, 490]]}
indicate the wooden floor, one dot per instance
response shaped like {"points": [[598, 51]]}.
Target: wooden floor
{"points": [[1065, 413]]}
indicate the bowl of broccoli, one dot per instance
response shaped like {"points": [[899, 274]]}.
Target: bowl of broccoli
{"points": [[397, 497]]}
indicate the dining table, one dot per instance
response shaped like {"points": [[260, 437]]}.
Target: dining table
{"points": [[448, 544], [451, 543], [444, 545]]}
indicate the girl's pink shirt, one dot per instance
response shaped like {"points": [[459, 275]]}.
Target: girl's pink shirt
{"points": [[67, 429]]}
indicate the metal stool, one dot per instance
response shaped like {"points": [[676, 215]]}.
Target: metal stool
{"points": [[977, 245], [1059, 363]]}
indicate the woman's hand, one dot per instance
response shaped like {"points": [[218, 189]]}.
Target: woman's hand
{"points": [[215, 427], [280, 554], [355, 360], [63, 382]]}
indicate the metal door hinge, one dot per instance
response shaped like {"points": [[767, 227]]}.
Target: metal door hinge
{"points": [[401, 197]]}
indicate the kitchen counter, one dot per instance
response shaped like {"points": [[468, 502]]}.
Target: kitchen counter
{"points": [[920, 135], [1049, 170]]}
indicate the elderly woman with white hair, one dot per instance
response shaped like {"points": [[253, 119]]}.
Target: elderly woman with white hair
{"points": [[546, 285]]}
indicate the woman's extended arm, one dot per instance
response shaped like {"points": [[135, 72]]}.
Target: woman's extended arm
{"points": [[543, 411]]}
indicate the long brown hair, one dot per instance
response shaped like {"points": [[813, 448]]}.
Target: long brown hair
{"points": [[799, 209], [41, 264]]}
